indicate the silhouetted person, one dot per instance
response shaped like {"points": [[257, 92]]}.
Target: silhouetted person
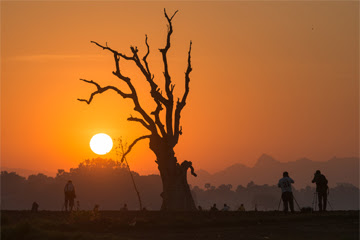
{"points": [[124, 208], [225, 208], [214, 208], [69, 192], [286, 196], [34, 207], [241, 208], [321, 189]]}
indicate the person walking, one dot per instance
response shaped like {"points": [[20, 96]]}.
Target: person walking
{"points": [[69, 192], [321, 189], [286, 196]]}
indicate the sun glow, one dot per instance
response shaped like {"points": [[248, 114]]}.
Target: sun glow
{"points": [[101, 143]]}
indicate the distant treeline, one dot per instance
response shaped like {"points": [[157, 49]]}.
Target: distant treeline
{"points": [[108, 183], [266, 197]]}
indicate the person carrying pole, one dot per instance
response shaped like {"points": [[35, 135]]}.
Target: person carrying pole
{"points": [[286, 196], [321, 189]]}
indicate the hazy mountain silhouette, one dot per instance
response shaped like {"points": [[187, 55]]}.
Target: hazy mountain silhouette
{"points": [[267, 170]]}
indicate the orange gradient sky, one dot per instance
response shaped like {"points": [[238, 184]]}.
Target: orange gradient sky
{"points": [[280, 78]]}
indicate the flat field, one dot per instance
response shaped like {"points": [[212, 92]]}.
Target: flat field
{"points": [[48, 225]]}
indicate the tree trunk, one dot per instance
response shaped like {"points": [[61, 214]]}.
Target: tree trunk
{"points": [[176, 193]]}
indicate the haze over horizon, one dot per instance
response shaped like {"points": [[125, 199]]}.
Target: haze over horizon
{"points": [[348, 171], [280, 78]]}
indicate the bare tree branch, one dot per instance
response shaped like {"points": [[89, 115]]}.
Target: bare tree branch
{"points": [[155, 92], [164, 52], [185, 165], [151, 124], [171, 16], [113, 51], [101, 90], [170, 129], [158, 122], [168, 88], [134, 119], [181, 105], [121, 146], [132, 145], [146, 55]]}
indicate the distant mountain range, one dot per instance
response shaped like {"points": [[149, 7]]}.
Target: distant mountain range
{"points": [[268, 171]]}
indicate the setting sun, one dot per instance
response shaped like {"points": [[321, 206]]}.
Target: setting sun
{"points": [[101, 143]]}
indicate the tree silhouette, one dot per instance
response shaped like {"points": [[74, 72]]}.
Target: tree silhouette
{"points": [[163, 138], [120, 150]]}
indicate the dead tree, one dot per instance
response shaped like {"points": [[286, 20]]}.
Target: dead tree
{"points": [[120, 149], [163, 137]]}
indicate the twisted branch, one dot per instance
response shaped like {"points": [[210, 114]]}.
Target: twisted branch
{"points": [[134, 119], [170, 130], [158, 122], [101, 90], [181, 105], [185, 165], [113, 51], [117, 56], [132, 145], [168, 88], [146, 55]]}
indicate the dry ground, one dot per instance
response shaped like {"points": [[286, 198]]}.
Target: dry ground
{"points": [[158, 225]]}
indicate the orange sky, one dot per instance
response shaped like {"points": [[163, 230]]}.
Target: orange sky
{"points": [[280, 78]]}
